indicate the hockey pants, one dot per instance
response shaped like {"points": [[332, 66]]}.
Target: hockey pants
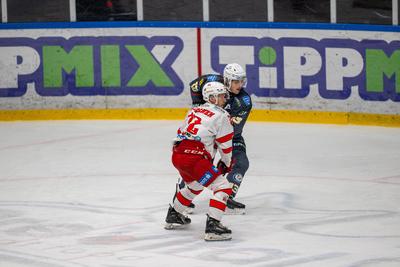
{"points": [[239, 167], [198, 172]]}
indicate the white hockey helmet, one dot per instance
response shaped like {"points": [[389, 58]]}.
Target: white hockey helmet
{"points": [[213, 89], [234, 71]]}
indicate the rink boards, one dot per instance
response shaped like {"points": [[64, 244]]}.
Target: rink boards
{"points": [[296, 72]]}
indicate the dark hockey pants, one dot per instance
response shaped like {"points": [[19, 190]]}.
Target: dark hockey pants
{"points": [[240, 165]]}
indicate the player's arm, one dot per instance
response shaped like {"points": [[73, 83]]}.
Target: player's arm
{"points": [[240, 117], [195, 91], [224, 140]]}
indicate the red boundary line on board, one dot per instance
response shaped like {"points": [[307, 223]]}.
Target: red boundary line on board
{"points": [[199, 70]]}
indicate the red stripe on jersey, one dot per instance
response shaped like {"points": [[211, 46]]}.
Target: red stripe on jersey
{"points": [[179, 131], [227, 191], [227, 150], [218, 205], [184, 201], [225, 138], [195, 192]]}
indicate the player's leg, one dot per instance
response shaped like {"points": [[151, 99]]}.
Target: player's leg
{"points": [[186, 195], [207, 175], [179, 152], [239, 169], [176, 213], [185, 164], [191, 167], [178, 187], [215, 231]]}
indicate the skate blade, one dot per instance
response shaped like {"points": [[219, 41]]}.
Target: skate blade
{"points": [[173, 226], [235, 211], [215, 237]]}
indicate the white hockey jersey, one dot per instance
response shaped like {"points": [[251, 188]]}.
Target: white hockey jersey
{"points": [[210, 125]]}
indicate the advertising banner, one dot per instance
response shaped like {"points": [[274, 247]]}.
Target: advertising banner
{"points": [[342, 71]]}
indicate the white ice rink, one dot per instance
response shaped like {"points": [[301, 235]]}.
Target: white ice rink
{"points": [[95, 193]]}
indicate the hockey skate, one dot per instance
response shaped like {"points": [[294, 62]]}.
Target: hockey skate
{"points": [[175, 220], [234, 208], [215, 231]]}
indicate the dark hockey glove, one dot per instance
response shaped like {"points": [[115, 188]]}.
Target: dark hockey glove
{"points": [[223, 168]]}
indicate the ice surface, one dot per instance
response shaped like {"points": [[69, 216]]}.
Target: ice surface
{"points": [[95, 193]]}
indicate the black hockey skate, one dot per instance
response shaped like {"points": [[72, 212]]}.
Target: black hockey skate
{"points": [[215, 231], [235, 208], [175, 220]]}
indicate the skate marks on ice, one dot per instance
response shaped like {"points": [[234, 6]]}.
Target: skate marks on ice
{"points": [[30, 239], [379, 262], [32, 235], [287, 213], [341, 226], [279, 219], [76, 234]]}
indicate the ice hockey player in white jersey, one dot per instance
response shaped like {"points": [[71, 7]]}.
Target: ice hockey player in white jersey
{"points": [[239, 107], [205, 131]]}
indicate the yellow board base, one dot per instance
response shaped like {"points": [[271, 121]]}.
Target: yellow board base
{"points": [[300, 116], [326, 117]]}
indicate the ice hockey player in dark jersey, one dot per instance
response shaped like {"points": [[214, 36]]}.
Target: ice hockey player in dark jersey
{"points": [[238, 106]]}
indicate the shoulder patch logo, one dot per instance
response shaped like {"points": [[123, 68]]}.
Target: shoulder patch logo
{"points": [[247, 100], [212, 78], [195, 87]]}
